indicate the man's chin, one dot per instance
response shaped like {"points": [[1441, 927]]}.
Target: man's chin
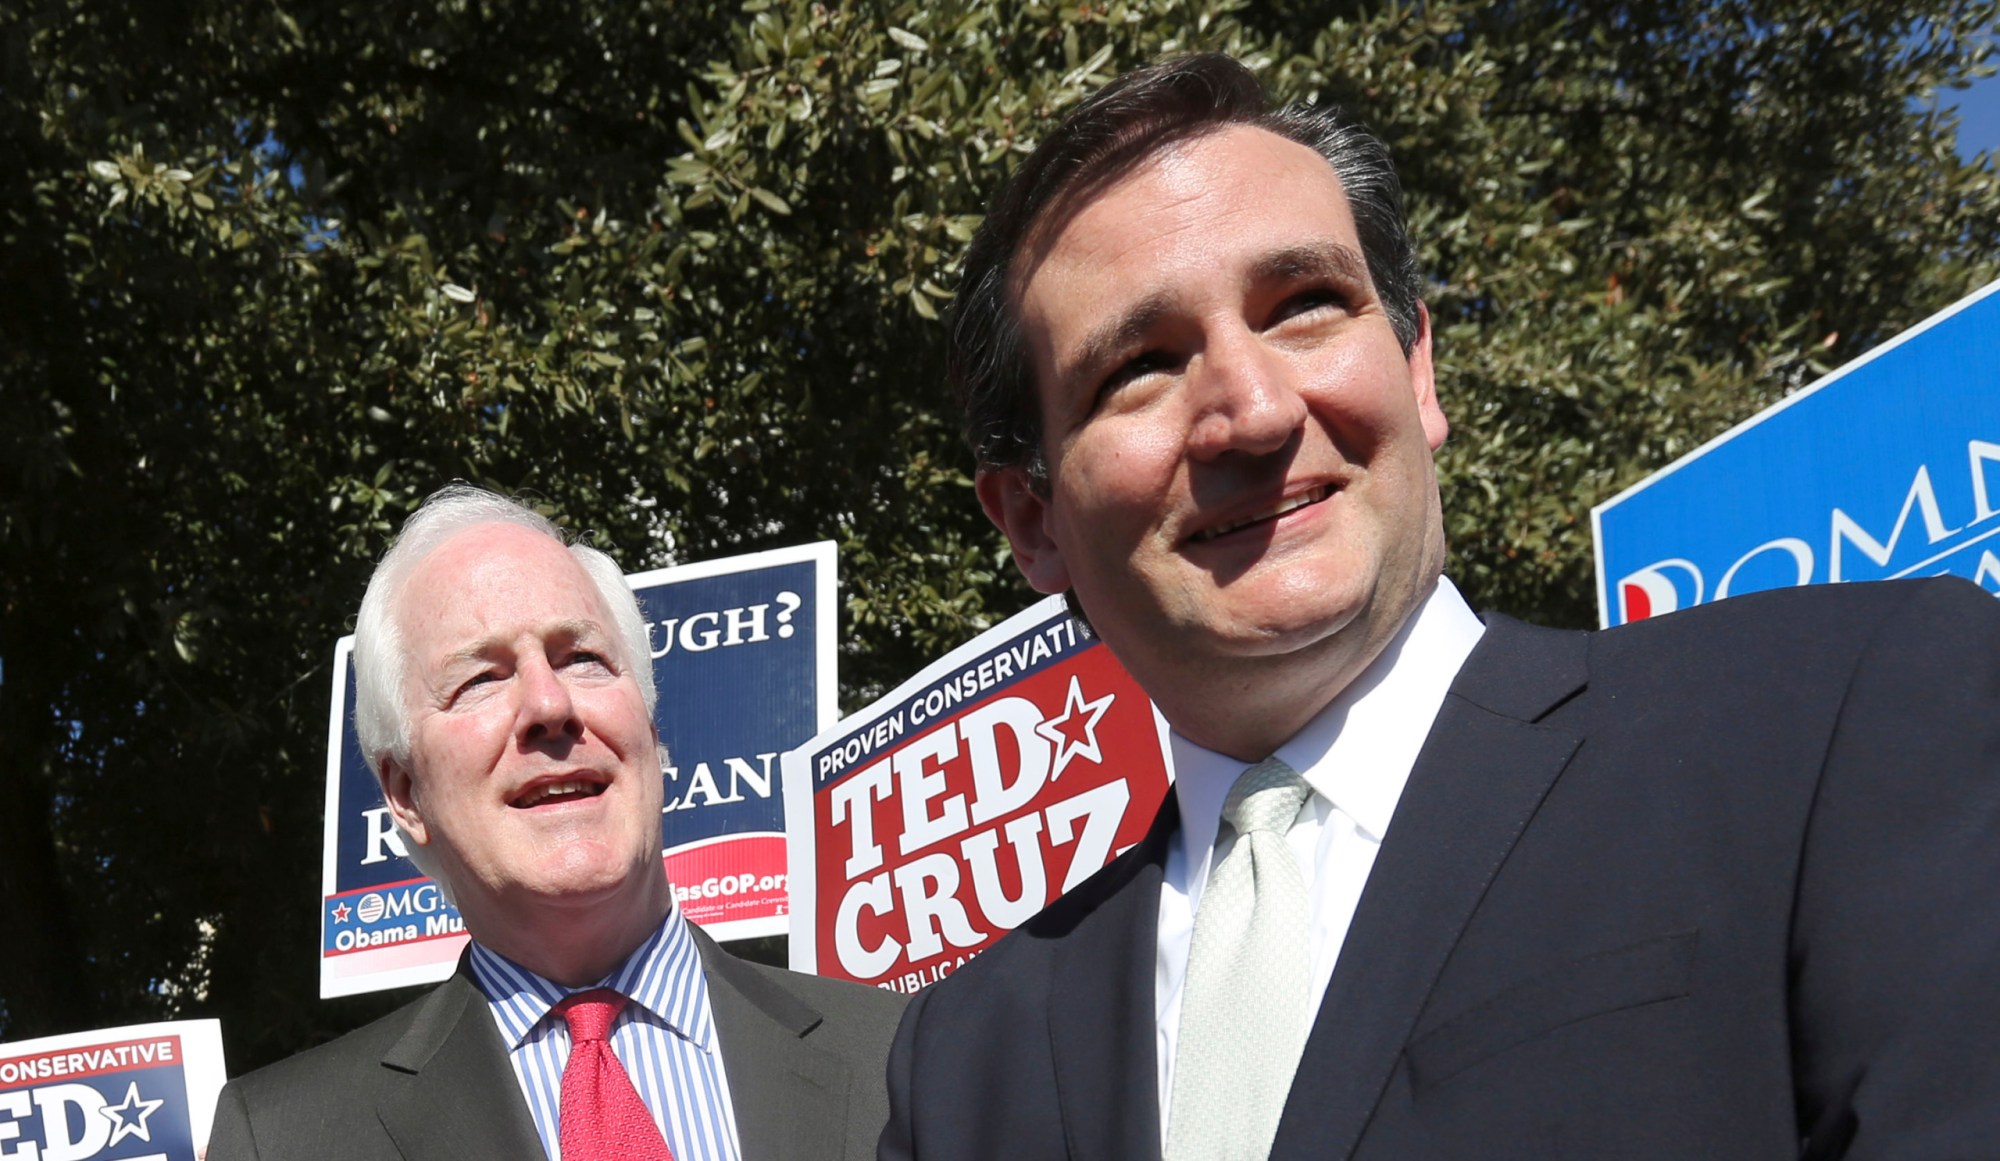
{"points": [[1277, 628], [586, 883]]}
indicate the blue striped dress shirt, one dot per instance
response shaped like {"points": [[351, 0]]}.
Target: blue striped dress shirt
{"points": [[665, 1038]]}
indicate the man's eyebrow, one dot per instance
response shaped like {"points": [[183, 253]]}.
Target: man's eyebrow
{"points": [[1316, 259], [1312, 260], [579, 630], [572, 631], [1116, 334]]}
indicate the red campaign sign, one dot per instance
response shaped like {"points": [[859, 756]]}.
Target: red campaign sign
{"points": [[969, 799], [728, 878]]}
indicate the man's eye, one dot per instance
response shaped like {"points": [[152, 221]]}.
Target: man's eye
{"points": [[1136, 368], [1307, 302], [586, 657]]}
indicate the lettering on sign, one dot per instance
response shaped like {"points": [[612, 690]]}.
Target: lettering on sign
{"points": [[964, 807], [1858, 543], [72, 1105], [725, 628]]}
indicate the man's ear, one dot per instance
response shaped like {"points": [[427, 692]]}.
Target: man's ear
{"points": [[1018, 509], [1423, 380], [399, 791]]}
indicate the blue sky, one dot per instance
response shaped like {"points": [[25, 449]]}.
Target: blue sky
{"points": [[1978, 114]]}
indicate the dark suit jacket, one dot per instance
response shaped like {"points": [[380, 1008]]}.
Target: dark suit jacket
{"points": [[432, 1080], [1721, 885]]}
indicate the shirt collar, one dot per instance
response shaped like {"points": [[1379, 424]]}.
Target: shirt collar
{"points": [[663, 978], [1358, 751]]}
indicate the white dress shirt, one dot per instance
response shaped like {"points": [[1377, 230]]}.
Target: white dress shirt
{"points": [[665, 1038], [1356, 754]]}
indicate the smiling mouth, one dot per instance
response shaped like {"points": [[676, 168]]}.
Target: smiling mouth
{"points": [[570, 791], [1288, 504]]}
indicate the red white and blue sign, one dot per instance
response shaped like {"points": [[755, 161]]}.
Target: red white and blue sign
{"points": [[743, 651], [144, 1092], [936, 820], [743, 658], [1888, 467]]}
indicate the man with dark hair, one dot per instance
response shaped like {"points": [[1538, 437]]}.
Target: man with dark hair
{"points": [[504, 697], [1722, 884]]}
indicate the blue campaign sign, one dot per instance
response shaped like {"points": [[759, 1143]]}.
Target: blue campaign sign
{"points": [[1888, 467], [743, 659], [382, 923], [743, 654]]}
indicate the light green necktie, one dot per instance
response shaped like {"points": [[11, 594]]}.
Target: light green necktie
{"points": [[1249, 979]]}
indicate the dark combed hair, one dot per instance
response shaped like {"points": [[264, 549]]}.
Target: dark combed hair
{"points": [[1116, 129]]}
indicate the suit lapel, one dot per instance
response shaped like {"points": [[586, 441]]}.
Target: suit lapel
{"points": [[461, 1097], [790, 1097], [1483, 773], [1103, 1031]]}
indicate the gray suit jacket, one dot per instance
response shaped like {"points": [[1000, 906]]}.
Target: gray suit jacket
{"points": [[431, 1080]]}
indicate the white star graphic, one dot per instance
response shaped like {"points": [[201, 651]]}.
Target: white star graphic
{"points": [[1067, 746], [130, 1125]]}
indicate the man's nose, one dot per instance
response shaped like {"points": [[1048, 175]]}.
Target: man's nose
{"points": [[1247, 397], [547, 710]]}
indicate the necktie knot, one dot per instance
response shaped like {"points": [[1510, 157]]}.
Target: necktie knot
{"points": [[1266, 797], [590, 1014]]}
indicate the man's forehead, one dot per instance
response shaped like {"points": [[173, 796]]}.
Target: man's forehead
{"points": [[483, 555], [502, 572], [1193, 217]]}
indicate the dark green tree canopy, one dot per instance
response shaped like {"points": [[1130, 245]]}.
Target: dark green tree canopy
{"points": [[271, 273]]}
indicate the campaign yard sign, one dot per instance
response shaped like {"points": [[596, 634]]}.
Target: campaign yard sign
{"points": [[743, 650], [144, 1092], [939, 818], [743, 657], [1888, 467]]}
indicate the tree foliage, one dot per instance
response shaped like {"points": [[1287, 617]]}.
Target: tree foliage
{"points": [[274, 272]]}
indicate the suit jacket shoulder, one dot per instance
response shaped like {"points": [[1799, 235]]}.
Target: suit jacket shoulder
{"points": [[430, 1080], [805, 1057], [1832, 620], [1676, 888]]}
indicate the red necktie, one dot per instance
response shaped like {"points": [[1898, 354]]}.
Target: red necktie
{"points": [[602, 1116]]}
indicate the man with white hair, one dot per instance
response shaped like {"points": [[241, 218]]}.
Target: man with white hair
{"points": [[504, 699]]}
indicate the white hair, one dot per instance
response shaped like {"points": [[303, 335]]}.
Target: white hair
{"points": [[381, 660]]}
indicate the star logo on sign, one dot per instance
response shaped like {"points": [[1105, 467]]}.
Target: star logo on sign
{"points": [[1074, 731], [341, 911], [130, 1117]]}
